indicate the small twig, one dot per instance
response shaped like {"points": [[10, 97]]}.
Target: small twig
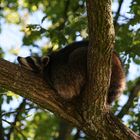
{"points": [[17, 129], [16, 119], [13, 112], [118, 13], [1, 126], [77, 135], [64, 130], [134, 92]]}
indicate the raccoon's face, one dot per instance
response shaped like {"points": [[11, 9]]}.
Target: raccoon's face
{"points": [[35, 64]]}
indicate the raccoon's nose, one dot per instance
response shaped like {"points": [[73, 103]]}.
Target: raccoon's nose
{"points": [[23, 62], [18, 58]]}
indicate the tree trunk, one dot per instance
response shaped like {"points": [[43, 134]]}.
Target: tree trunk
{"points": [[96, 114]]}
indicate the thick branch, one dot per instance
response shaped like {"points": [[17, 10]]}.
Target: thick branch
{"points": [[33, 87]]}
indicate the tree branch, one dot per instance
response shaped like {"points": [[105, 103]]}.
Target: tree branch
{"points": [[16, 119], [133, 93], [64, 130], [1, 126], [16, 128], [118, 13], [77, 135], [33, 87]]}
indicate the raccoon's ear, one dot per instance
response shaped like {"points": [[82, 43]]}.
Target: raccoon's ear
{"points": [[45, 60]]}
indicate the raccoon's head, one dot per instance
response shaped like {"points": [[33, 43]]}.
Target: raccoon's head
{"points": [[35, 64]]}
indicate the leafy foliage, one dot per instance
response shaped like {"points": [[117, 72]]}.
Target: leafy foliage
{"points": [[61, 22]]}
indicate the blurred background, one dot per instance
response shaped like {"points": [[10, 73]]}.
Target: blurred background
{"points": [[38, 27]]}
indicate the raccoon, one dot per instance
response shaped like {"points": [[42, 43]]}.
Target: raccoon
{"points": [[66, 70]]}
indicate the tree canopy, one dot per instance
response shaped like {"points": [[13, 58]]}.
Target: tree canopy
{"points": [[45, 26]]}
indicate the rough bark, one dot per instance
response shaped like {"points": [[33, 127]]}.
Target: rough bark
{"points": [[31, 86], [95, 112], [93, 116], [34, 88]]}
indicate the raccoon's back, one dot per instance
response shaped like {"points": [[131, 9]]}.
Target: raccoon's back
{"points": [[69, 75]]}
